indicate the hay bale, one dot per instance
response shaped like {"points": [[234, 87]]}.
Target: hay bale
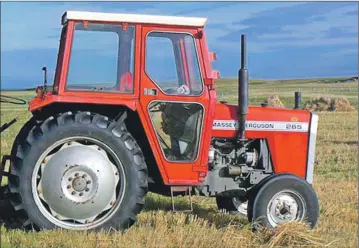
{"points": [[329, 104], [342, 104], [274, 101], [319, 104]]}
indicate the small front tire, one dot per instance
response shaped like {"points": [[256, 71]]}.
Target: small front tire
{"points": [[284, 198]]}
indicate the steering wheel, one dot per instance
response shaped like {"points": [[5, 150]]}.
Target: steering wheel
{"points": [[183, 90]]}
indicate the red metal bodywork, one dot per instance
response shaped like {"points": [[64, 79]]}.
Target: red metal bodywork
{"points": [[288, 150]]}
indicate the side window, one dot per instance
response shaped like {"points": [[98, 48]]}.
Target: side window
{"points": [[101, 59], [60, 56], [172, 63]]}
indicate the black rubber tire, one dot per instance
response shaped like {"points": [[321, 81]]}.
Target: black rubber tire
{"points": [[22, 134], [111, 133], [226, 203], [259, 200]]}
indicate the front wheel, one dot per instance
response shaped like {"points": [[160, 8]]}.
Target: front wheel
{"points": [[281, 199], [78, 171]]}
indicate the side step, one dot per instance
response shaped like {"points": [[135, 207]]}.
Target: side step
{"points": [[182, 189]]}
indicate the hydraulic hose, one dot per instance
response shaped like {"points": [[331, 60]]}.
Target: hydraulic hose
{"points": [[12, 100]]}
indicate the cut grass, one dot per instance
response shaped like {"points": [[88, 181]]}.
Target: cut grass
{"points": [[335, 181]]}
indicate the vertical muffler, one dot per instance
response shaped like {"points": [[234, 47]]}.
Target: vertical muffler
{"points": [[242, 90]]}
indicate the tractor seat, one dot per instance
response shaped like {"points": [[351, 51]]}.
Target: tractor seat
{"points": [[126, 83]]}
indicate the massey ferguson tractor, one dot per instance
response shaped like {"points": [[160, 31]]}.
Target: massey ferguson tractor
{"points": [[132, 109]]}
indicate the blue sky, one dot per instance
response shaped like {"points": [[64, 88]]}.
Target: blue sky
{"points": [[285, 39]]}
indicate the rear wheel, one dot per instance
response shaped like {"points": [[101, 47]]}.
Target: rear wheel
{"points": [[79, 171], [281, 199]]}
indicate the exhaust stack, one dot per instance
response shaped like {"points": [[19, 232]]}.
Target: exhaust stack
{"points": [[242, 90]]}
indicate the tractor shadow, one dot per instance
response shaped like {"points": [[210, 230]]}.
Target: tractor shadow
{"points": [[8, 216], [203, 210], [336, 142]]}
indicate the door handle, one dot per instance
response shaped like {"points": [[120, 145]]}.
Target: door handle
{"points": [[150, 92]]}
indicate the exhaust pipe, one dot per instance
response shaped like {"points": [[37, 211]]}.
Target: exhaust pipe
{"points": [[242, 90], [297, 99]]}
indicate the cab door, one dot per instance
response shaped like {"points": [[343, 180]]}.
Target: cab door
{"points": [[174, 103]]}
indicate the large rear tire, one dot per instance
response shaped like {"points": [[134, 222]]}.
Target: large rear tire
{"points": [[283, 198], [78, 171]]}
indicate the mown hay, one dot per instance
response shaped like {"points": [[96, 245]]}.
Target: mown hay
{"points": [[318, 104], [274, 101], [293, 234]]}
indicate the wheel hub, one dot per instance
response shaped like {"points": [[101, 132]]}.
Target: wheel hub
{"points": [[78, 182], [284, 207]]}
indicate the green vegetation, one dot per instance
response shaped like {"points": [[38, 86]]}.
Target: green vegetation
{"points": [[336, 181]]}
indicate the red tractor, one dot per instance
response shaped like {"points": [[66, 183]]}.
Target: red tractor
{"points": [[134, 109]]}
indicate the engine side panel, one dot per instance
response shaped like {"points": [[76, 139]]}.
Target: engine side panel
{"points": [[285, 130]]}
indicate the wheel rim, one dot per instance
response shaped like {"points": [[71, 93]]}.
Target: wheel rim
{"points": [[285, 206], [240, 205], [78, 183]]}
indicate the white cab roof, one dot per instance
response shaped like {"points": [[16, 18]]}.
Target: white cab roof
{"points": [[133, 18]]}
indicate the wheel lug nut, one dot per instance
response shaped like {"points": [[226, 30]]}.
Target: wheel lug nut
{"points": [[68, 186], [87, 189], [76, 174], [88, 182], [81, 194], [73, 192], [84, 176], [70, 179]]}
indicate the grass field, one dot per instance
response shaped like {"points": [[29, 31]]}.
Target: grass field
{"points": [[336, 182]]}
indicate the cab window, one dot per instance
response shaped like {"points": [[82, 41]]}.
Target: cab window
{"points": [[172, 63], [101, 58]]}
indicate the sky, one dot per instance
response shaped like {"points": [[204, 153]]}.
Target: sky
{"points": [[285, 39]]}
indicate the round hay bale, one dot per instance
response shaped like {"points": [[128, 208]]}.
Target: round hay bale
{"points": [[274, 101]]}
